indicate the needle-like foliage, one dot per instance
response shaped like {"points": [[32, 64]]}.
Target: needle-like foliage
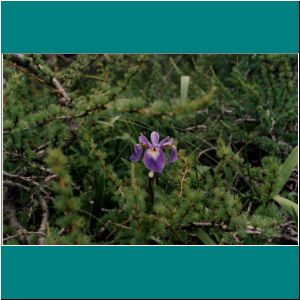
{"points": [[71, 123]]}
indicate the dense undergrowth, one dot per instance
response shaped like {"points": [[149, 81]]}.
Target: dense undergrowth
{"points": [[70, 123]]}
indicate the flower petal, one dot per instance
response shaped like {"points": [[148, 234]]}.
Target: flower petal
{"points": [[167, 142], [137, 154], [155, 160], [154, 138], [173, 156], [144, 141]]}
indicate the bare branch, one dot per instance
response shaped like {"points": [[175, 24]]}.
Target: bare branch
{"points": [[25, 179], [44, 222], [16, 184]]}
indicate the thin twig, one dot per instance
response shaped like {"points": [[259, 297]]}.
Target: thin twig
{"points": [[204, 151], [249, 229], [25, 179], [196, 127], [187, 168], [119, 225], [21, 234]]}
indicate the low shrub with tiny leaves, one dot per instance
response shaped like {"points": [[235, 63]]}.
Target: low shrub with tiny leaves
{"points": [[82, 167]]}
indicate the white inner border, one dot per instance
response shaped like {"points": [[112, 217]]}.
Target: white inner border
{"points": [[1, 160]]}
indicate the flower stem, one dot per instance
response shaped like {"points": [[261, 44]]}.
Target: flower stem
{"points": [[151, 177]]}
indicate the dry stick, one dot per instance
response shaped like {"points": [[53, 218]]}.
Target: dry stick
{"points": [[249, 229], [182, 179], [41, 150], [21, 234], [25, 179], [113, 231], [16, 184], [196, 127], [44, 222], [17, 176], [204, 151], [15, 156], [65, 99]]}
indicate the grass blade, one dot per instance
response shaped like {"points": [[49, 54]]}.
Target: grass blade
{"points": [[98, 200], [286, 170], [205, 238], [184, 87], [289, 205]]}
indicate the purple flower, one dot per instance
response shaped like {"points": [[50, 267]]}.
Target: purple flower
{"points": [[154, 157]]}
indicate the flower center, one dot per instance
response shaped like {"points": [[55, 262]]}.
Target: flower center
{"points": [[153, 152]]}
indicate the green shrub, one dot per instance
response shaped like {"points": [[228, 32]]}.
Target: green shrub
{"points": [[70, 123]]}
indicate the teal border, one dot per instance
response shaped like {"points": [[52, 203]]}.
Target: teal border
{"points": [[150, 27], [150, 272]]}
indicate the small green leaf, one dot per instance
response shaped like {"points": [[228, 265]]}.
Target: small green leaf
{"points": [[286, 170], [205, 238], [229, 176], [202, 169]]}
